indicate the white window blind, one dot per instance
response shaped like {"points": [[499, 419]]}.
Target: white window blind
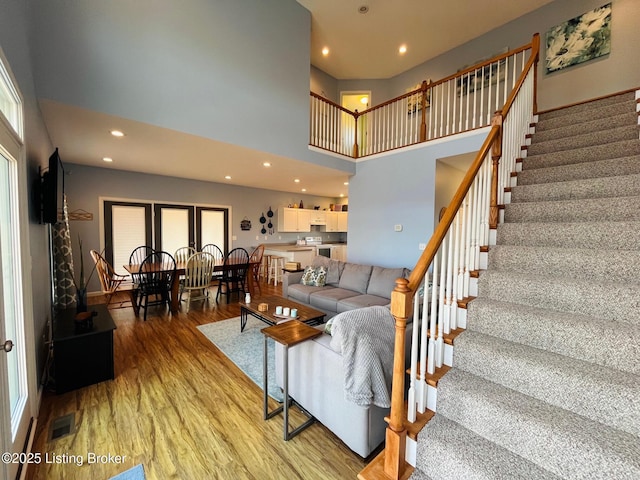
{"points": [[128, 233], [213, 227], [175, 229]]}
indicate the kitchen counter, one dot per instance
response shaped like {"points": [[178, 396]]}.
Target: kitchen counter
{"points": [[288, 247]]}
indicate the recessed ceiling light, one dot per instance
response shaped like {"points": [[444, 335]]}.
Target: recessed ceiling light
{"points": [[297, 180], [363, 9], [266, 164], [107, 159], [342, 195], [325, 51], [117, 133], [304, 189], [228, 177], [402, 49], [346, 183]]}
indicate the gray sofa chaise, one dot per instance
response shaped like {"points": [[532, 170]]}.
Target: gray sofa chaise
{"points": [[348, 286]]}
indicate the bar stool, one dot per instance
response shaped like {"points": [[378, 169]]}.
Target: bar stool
{"points": [[276, 264], [264, 267]]}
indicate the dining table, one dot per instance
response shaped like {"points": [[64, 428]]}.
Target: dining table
{"points": [[181, 267]]}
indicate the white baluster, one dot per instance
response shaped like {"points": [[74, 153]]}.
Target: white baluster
{"points": [[422, 382], [411, 400], [433, 319], [441, 307]]}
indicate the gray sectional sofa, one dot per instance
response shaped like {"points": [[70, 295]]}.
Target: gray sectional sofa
{"points": [[348, 286]]}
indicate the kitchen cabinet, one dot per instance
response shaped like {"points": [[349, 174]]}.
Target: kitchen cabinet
{"points": [[294, 220], [318, 217], [339, 252], [336, 221]]}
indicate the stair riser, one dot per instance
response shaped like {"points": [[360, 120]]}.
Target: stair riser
{"points": [[591, 339], [605, 235], [604, 187], [590, 155], [585, 210], [608, 301], [587, 140], [588, 106], [544, 133], [584, 114], [579, 264], [579, 387]]}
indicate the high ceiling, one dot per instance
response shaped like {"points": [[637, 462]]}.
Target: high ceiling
{"points": [[362, 46], [365, 45]]}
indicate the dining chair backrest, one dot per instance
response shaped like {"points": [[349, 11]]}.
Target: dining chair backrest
{"points": [[157, 271], [109, 280], [182, 254], [257, 254], [139, 254], [238, 258], [199, 270], [214, 250]]}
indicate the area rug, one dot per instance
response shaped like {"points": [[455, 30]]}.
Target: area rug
{"points": [[134, 473], [245, 349]]}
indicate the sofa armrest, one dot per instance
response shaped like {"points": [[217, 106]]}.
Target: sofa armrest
{"points": [[290, 278]]}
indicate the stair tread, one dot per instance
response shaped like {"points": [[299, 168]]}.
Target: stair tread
{"points": [[578, 263], [599, 187], [608, 299], [565, 382], [585, 140], [455, 452], [538, 431], [609, 343]]}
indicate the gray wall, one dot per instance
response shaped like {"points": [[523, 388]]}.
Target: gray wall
{"points": [[85, 185], [235, 71], [15, 45], [398, 189]]}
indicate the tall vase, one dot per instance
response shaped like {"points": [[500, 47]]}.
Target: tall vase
{"points": [[81, 300]]}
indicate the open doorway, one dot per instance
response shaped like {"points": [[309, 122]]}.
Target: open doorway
{"points": [[356, 100]]}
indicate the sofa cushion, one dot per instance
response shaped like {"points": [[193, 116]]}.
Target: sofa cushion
{"points": [[355, 277], [301, 293], [383, 281], [328, 297], [334, 268], [360, 301]]}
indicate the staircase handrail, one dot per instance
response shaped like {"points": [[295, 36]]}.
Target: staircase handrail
{"points": [[402, 297]]}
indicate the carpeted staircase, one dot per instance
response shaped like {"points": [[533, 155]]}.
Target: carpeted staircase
{"points": [[546, 379]]}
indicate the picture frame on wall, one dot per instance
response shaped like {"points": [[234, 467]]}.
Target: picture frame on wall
{"points": [[583, 38]]}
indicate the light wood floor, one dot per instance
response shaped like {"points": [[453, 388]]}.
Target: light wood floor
{"points": [[183, 410]]}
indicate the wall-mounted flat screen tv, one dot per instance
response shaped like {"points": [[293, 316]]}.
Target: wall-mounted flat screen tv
{"points": [[52, 189]]}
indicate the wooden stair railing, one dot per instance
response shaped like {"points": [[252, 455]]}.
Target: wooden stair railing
{"points": [[391, 464]]}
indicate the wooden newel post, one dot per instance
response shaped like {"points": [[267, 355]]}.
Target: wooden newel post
{"points": [[355, 134], [423, 124], [496, 154], [396, 436]]}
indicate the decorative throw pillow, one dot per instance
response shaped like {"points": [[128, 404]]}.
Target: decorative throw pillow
{"points": [[315, 277], [327, 326]]}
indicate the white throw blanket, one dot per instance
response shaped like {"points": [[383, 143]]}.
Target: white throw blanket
{"points": [[365, 337]]}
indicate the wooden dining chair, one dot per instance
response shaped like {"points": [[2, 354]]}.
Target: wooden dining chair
{"points": [[256, 264], [234, 273], [218, 255], [110, 281], [156, 276], [181, 256], [136, 258], [197, 276]]}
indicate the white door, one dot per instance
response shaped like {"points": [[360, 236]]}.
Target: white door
{"points": [[14, 402]]}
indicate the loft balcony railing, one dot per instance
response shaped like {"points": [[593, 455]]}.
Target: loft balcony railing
{"points": [[444, 269], [460, 102]]}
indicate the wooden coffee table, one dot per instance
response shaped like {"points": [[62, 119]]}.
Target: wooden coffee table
{"points": [[306, 314]]}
